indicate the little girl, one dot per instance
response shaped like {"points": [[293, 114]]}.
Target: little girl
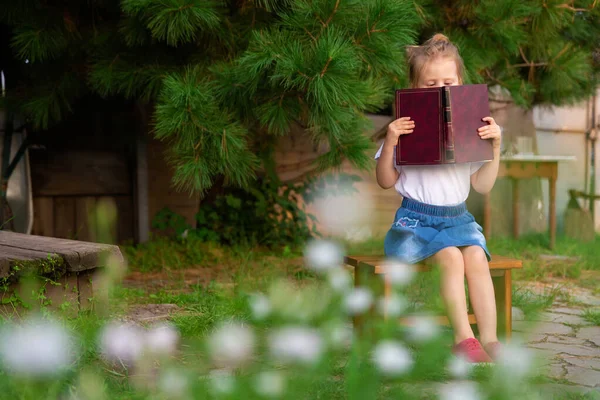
{"points": [[433, 224]]}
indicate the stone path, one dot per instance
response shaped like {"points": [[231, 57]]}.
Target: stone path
{"points": [[568, 344]]}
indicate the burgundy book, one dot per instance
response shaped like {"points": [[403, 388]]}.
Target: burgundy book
{"points": [[446, 121]]}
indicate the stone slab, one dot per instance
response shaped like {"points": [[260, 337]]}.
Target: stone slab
{"points": [[591, 333], [583, 362], [566, 319], [551, 328], [567, 310], [583, 376], [574, 350]]}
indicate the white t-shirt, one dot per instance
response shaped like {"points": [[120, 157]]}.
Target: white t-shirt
{"points": [[440, 185]]}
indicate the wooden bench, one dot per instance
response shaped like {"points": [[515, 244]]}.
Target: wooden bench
{"points": [[368, 267], [66, 271]]}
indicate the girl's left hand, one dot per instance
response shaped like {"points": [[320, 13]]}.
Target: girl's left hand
{"points": [[491, 131]]}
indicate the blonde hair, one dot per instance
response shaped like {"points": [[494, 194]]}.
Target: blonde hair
{"points": [[437, 46]]}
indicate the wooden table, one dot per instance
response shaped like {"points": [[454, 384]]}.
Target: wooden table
{"points": [[523, 167], [68, 268]]}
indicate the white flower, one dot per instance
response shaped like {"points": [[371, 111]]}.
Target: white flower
{"points": [[459, 391], [322, 255], [423, 329], [358, 301], [339, 334], [38, 347], [515, 360], [339, 212], [173, 383], [122, 343], [222, 382], [399, 274], [260, 306], [392, 358], [339, 279], [459, 367], [392, 306], [295, 303], [296, 344], [162, 339], [231, 344], [270, 384]]}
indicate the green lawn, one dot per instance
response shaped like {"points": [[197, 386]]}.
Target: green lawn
{"points": [[210, 284]]}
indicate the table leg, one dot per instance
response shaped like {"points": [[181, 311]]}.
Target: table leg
{"points": [[515, 195], [487, 215], [552, 211]]}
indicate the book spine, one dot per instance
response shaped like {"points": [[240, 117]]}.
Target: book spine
{"points": [[397, 112], [449, 133]]}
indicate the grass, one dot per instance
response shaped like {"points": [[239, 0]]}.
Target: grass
{"points": [[592, 315], [227, 276], [531, 303]]}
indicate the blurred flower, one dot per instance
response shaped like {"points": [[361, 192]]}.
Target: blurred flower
{"points": [[358, 301], [339, 280], [122, 343], [392, 306], [296, 344], [423, 329], [38, 347], [298, 304], [322, 255], [459, 367], [222, 382], [173, 383], [231, 344], [342, 210], [515, 360], [459, 391], [270, 384], [392, 358], [260, 306], [162, 339], [339, 334], [399, 274]]}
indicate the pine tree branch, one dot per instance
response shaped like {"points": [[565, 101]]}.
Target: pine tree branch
{"points": [[523, 55], [325, 67], [535, 64], [571, 8], [335, 8], [310, 34]]}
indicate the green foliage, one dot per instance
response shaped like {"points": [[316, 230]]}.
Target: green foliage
{"points": [[592, 315], [267, 214], [226, 78]]}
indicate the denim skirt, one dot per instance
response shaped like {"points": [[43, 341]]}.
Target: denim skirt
{"points": [[421, 230]]}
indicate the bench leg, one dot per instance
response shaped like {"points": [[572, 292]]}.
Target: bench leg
{"points": [[503, 293]]}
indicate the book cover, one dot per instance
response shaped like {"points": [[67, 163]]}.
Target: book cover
{"points": [[446, 122]]}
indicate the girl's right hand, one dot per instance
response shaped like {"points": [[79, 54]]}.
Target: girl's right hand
{"points": [[401, 126]]}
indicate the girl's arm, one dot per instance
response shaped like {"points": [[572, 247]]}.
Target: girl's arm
{"points": [[386, 172], [483, 180]]}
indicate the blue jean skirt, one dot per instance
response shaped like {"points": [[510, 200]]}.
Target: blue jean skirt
{"points": [[421, 230]]}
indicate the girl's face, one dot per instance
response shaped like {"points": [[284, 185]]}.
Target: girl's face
{"points": [[440, 71]]}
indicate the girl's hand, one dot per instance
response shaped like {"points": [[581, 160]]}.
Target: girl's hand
{"points": [[491, 131], [401, 126]]}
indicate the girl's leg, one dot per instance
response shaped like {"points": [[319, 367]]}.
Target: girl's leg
{"points": [[481, 292], [452, 266]]}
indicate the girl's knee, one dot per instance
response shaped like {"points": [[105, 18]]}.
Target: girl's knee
{"points": [[475, 259], [450, 259]]}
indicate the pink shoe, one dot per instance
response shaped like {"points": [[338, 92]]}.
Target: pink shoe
{"points": [[493, 349], [472, 351]]}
